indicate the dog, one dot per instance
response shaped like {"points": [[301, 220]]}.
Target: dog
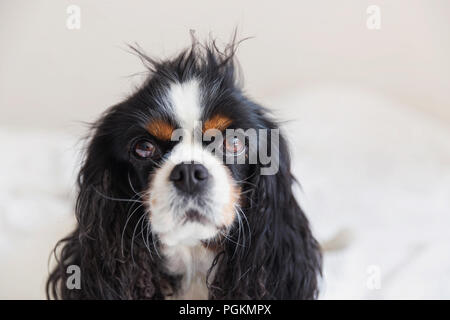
{"points": [[161, 215]]}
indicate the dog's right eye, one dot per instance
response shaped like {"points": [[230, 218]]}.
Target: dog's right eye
{"points": [[144, 149]]}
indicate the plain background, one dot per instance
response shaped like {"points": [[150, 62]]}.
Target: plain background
{"points": [[368, 111], [52, 77]]}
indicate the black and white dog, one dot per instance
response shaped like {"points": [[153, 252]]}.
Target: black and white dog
{"points": [[162, 215]]}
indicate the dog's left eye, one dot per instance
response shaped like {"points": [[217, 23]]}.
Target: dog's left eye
{"points": [[144, 149], [234, 146]]}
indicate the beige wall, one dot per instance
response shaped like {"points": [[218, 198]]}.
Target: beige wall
{"points": [[54, 77]]}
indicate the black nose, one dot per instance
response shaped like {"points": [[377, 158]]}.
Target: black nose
{"points": [[189, 177]]}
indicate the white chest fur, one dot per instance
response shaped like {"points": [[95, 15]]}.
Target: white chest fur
{"points": [[193, 263]]}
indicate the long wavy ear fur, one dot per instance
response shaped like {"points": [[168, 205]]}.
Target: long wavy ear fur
{"points": [[279, 259], [99, 245]]}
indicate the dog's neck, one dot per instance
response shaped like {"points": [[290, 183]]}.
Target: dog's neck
{"points": [[192, 263]]}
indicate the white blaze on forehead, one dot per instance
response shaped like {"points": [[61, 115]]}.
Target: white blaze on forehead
{"points": [[185, 101]]}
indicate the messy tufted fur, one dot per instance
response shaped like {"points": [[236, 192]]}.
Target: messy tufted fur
{"points": [[277, 259]]}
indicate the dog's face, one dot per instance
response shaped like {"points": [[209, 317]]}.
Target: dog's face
{"points": [[192, 194], [184, 153]]}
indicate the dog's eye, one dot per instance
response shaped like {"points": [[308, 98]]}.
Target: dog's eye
{"points": [[234, 145], [144, 149]]}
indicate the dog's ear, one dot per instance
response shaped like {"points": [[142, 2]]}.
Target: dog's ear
{"points": [[281, 258], [102, 245]]}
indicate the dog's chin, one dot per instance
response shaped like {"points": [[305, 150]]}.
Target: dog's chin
{"points": [[190, 231]]}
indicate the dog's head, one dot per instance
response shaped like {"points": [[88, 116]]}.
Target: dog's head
{"points": [[189, 160]]}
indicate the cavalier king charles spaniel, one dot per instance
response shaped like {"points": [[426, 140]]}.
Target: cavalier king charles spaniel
{"points": [[163, 215]]}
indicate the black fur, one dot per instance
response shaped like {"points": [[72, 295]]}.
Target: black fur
{"points": [[278, 258]]}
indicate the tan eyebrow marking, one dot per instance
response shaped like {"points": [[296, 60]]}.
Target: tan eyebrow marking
{"points": [[160, 129], [218, 122]]}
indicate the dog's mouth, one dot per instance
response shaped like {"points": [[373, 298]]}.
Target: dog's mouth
{"points": [[193, 215]]}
